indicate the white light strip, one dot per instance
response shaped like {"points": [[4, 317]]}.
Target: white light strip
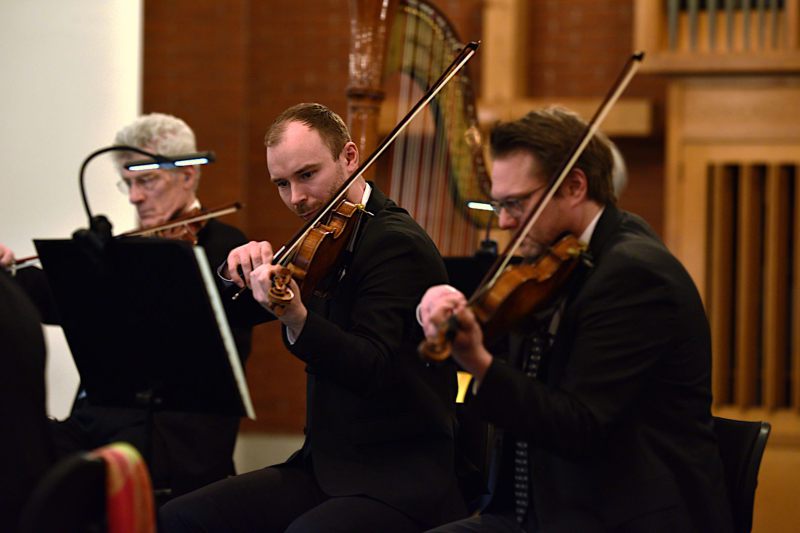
{"points": [[144, 166], [189, 162], [482, 206]]}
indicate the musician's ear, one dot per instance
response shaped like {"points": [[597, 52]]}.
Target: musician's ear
{"points": [[350, 154], [576, 185], [189, 177]]}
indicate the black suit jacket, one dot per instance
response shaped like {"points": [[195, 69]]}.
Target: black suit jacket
{"points": [[189, 450], [621, 427], [380, 422]]}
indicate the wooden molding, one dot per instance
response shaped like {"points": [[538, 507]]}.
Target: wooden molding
{"points": [[631, 117]]}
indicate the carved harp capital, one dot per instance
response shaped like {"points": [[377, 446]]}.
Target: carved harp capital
{"points": [[370, 23]]}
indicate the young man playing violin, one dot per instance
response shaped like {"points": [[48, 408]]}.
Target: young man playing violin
{"points": [[602, 403], [188, 450], [379, 452]]}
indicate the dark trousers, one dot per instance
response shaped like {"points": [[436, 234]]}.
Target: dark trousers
{"points": [[488, 523], [184, 451], [670, 520], [278, 498]]}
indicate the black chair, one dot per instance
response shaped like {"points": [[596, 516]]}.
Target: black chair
{"points": [[70, 498], [741, 445]]}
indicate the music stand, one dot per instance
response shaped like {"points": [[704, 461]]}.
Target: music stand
{"points": [[465, 273], [145, 324]]}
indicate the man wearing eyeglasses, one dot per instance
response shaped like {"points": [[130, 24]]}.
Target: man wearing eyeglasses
{"points": [[603, 402], [188, 450], [158, 195]]}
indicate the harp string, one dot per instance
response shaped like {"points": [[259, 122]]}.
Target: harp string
{"points": [[433, 170]]}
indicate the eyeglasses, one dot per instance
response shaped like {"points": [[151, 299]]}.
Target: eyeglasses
{"points": [[514, 206], [145, 183]]}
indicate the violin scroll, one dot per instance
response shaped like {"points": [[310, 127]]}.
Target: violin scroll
{"points": [[280, 294], [438, 349]]}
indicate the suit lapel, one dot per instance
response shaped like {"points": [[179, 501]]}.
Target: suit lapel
{"points": [[606, 227]]}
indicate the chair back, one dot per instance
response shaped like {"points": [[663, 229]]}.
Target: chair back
{"points": [[70, 498], [107, 489], [129, 492], [741, 446]]}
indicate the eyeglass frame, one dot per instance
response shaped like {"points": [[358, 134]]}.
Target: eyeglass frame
{"points": [[146, 183], [513, 205]]}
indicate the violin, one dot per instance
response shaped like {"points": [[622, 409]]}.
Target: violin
{"points": [[177, 227], [185, 228], [517, 294], [316, 250], [318, 255], [527, 289], [508, 297]]}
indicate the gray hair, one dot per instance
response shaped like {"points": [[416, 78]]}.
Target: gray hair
{"points": [[619, 173], [156, 132]]}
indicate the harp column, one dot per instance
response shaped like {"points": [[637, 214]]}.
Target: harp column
{"points": [[370, 22]]}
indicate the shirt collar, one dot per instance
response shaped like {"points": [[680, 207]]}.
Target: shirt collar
{"points": [[367, 193], [586, 236]]}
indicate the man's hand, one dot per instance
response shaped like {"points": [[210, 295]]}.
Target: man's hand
{"points": [[6, 256], [440, 303], [246, 258]]}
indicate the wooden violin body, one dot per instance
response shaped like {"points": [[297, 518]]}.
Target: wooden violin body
{"points": [[186, 231], [518, 294], [318, 256], [522, 291]]}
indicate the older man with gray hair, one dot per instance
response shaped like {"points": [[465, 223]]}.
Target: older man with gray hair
{"points": [[186, 450]]}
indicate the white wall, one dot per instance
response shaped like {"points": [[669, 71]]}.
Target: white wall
{"points": [[71, 77]]}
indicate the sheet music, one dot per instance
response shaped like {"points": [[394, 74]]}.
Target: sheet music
{"points": [[225, 330]]}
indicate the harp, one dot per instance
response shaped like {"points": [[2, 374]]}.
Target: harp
{"points": [[398, 49]]}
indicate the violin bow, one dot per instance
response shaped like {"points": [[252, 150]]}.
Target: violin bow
{"points": [[458, 63], [180, 221], [613, 94]]}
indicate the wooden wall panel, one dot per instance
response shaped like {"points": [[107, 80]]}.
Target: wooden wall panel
{"points": [[748, 285], [736, 125], [720, 284], [794, 324], [775, 345]]}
